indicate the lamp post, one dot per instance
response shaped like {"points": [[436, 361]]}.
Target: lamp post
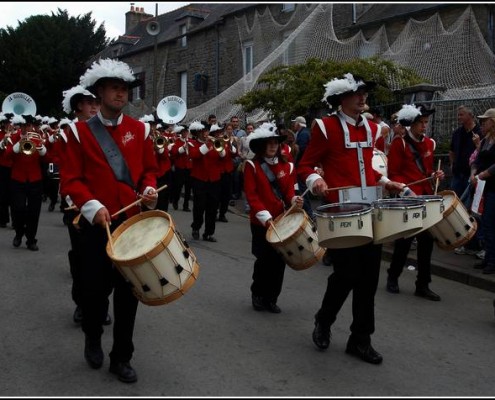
{"points": [[155, 50]]}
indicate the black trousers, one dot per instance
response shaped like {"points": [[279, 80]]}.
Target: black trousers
{"points": [[164, 195], [206, 196], [356, 269], [99, 277], [25, 202], [182, 179], [225, 192], [4, 194], [424, 250], [269, 267], [74, 255]]}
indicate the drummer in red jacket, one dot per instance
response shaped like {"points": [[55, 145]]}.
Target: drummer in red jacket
{"points": [[269, 186], [410, 159], [342, 144]]}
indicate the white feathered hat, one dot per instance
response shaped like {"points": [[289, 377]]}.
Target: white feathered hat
{"points": [[72, 96], [409, 113], [196, 126], [260, 135], [108, 69], [337, 87]]}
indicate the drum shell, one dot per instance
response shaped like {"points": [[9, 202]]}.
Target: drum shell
{"points": [[433, 212], [164, 270], [344, 225], [396, 218], [295, 238], [457, 227]]}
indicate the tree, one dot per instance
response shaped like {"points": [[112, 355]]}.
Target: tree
{"points": [[46, 55], [287, 91]]}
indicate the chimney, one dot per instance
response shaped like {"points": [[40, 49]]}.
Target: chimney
{"points": [[134, 17]]}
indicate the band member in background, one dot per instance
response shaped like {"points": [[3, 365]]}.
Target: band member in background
{"points": [[205, 178], [50, 164], [163, 143], [6, 131], [100, 188], [269, 181], [225, 136], [182, 168], [342, 145], [26, 180], [80, 104], [410, 158]]}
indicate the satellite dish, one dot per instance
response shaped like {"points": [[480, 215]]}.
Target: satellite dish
{"points": [[153, 28]]}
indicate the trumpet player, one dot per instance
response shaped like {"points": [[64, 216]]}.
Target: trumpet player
{"points": [[182, 165], [162, 145], [205, 178], [26, 183]]}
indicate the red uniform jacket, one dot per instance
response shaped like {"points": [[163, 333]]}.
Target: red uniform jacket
{"points": [[205, 166], [259, 192], [25, 168], [163, 161], [402, 165], [5, 161], [179, 157], [86, 174], [340, 164]]}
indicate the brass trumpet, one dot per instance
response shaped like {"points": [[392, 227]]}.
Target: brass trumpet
{"points": [[29, 144], [159, 142]]}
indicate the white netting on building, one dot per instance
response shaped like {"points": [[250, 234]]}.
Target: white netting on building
{"points": [[457, 58]]}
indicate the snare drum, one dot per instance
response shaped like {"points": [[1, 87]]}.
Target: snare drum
{"points": [[154, 257], [433, 212], [295, 238], [457, 227], [343, 225], [379, 162], [396, 218]]}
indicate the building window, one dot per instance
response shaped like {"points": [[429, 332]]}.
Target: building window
{"points": [[139, 92], [183, 39], [288, 7], [247, 58], [183, 86]]}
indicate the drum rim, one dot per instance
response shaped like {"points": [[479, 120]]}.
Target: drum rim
{"points": [[365, 210], [413, 204]]}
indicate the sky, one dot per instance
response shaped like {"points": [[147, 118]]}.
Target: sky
{"points": [[110, 14]]}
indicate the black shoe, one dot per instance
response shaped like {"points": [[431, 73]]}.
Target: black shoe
{"points": [[186, 209], [365, 352], [195, 234], [124, 371], [93, 353], [480, 265], [257, 303], [3, 225], [427, 294], [175, 205], [321, 335], [222, 218], [209, 238], [51, 207], [327, 260], [108, 320], [489, 269], [392, 286], [272, 307], [32, 246], [17, 241], [77, 317]]}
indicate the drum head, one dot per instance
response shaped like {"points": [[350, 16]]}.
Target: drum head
{"points": [[140, 237], [285, 227], [401, 204], [341, 209]]}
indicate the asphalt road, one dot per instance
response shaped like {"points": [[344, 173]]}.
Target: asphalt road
{"points": [[211, 343]]}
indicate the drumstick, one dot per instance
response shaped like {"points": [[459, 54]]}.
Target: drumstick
{"points": [[293, 205], [338, 188], [437, 181], [420, 181], [135, 203], [274, 230], [107, 226]]}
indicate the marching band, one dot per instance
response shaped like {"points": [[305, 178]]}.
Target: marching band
{"points": [[167, 161]]}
